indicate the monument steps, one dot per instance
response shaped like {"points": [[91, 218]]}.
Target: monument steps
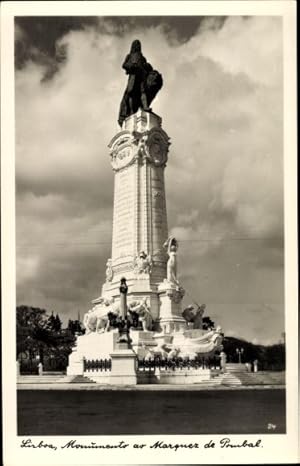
{"points": [[82, 379], [230, 379], [253, 378], [40, 379], [261, 378], [53, 379], [235, 367]]}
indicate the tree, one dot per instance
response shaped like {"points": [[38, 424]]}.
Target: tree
{"points": [[250, 352], [58, 323], [33, 335], [42, 335], [269, 357], [51, 322], [75, 326], [54, 323], [58, 352], [273, 357]]}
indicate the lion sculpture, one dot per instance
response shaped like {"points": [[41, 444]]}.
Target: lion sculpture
{"points": [[194, 315], [96, 319]]}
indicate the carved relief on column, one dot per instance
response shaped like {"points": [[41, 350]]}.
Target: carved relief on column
{"points": [[151, 146], [123, 150], [153, 149], [154, 146]]}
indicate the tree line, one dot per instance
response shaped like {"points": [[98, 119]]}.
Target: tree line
{"points": [[42, 338], [269, 357]]}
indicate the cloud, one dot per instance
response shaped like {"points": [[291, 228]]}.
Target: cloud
{"points": [[221, 104]]}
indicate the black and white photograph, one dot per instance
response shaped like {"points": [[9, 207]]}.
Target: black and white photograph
{"points": [[154, 290]]}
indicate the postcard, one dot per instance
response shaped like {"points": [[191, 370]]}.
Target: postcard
{"points": [[149, 233]]}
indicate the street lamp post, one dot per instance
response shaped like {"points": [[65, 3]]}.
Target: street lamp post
{"points": [[240, 351], [123, 358], [124, 339]]}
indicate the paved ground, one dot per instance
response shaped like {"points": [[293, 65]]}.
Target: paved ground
{"points": [[242, 380], [158, 411], [97, 387]]}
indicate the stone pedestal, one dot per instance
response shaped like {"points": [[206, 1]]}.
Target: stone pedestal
{"points": [[142, 341], [91, 346], [171, 319], [123, 367], [223, 361], [75, 366]]}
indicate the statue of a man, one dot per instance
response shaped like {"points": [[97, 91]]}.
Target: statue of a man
{"points": [[137, 67], [143, 83]]}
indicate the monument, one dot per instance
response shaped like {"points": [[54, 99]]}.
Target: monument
{"points": [[143, 253]]}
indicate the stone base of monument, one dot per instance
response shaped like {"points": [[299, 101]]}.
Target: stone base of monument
{"points": [[75, 366], [123, 367], [142, 341], [171, 320], [182, 377], [196, 342], [177, 377], [95, 346], [92, 346]]}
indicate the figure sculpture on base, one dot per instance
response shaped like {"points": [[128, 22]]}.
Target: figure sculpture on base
{"points": [[143, 83], [141, 308], [143, 263], [109, 271], [172, 245]]}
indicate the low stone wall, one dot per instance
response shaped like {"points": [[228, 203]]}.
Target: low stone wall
{"points": [[184, 376], [174, 377]]}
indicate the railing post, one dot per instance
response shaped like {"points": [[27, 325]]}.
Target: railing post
{"points": [[223, 361], [157, 370]]}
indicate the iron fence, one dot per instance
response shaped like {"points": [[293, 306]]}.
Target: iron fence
{"points": [[55, 364], [29, 367], [177, 363], [97, 365]]}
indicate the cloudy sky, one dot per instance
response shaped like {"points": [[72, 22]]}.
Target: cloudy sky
{"points": [[221, 104]]}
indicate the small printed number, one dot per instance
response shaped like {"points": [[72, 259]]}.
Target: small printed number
{"points": [[271, 426]]}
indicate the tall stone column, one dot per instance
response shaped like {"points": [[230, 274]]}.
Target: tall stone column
{"points": [[139, 153]]}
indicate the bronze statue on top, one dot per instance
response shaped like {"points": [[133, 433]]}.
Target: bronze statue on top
{"points": [[143, 83]]}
